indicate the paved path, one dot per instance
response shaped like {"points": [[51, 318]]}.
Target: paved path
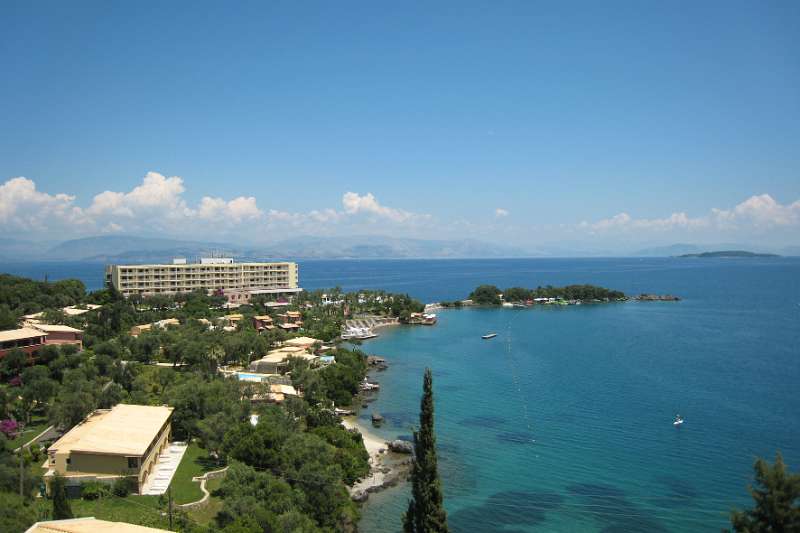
{"points": [[50, 432], [202, 479], [159, 479]]}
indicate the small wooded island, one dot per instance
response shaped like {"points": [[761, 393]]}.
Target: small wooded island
{"points": [[729, 253], [490, 295]]}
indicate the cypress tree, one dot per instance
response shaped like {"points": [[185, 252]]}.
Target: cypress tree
{"points": [[777, 500], [61, 507], [426, 513]]}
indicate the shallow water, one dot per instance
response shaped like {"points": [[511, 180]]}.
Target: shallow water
{"points": [[563, 422]]}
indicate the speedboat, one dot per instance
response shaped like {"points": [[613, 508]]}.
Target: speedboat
{"points": [[678, 421], [489, 336]]}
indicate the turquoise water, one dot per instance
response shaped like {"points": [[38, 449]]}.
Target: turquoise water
{"points": [[563, 421]]}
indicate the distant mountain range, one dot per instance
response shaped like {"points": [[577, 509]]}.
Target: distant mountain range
{"points": [[135, 249], [119, 248]]}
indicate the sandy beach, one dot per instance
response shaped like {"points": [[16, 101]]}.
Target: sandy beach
{"points": [[372, 442], [381, 474]]}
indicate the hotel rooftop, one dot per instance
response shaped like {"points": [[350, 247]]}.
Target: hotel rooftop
{"points": [[124, 430], [89, 525]]}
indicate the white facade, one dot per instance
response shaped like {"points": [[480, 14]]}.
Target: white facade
{"points": [[207, 275]]}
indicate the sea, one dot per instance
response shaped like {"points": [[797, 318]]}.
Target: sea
{"points": [[563, 422]]}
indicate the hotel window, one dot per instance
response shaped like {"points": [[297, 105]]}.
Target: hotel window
{"points": [[133, 462]]}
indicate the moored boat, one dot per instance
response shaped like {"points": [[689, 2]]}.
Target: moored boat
{"points": [[489, 336]]}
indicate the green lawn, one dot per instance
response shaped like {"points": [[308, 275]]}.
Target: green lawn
{"points": [[142, 510], [195, 462], [147, 510], [37, 425], [205, 515]]}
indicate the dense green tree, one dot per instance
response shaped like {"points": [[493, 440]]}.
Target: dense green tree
{"points": [[426, 513], [194, 398], [37, 387], [47, 354], [8, 318], [61, 507], [260, 446], [15, 513], [212, 430], [486, 295], [13, 363], [777, 500], [261, 495], [23, 295], [110, 395], [350, 453], [75, 400]]}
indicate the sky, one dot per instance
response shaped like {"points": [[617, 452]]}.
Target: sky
{"points": [[606, 124]]}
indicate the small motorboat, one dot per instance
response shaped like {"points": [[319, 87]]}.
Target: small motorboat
{"points": [[678, 421], [489, 336]]}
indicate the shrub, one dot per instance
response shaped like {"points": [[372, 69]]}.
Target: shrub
{"points": [[123, 486], [93, 490]]}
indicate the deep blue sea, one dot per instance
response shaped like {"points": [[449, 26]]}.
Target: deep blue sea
{"points": [[563, 422]]}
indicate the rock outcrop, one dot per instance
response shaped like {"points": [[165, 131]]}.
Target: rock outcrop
{"points": [[401, 446]]}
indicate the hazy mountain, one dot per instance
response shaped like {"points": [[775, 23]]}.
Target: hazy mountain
{"points": [[669, 251], [790, 251], [134, 249], [378, 247], [21, 250], [129, 248]]}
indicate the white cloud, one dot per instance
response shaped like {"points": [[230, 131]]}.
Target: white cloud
{"points": [[156, 194], [500, 212], [236, 210], [156, 205], [23, 207], [354, 204], [760, 212]]}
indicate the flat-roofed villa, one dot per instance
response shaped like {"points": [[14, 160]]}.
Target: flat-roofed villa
{"points": [[262, 322], [277, 360], [163, 324], [89, 525], [124, 441], [27, 339], [303, 342], [32, 337], [76, 310], [61, 334]]}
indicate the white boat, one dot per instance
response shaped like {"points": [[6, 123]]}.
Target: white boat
{"points": [[489, 336], [367, 386], [678, 421]]}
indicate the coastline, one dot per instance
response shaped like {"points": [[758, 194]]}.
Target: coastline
{"points": [[386, 470]]}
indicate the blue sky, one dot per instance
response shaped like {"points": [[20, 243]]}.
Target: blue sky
{"points": [[524, 122]]}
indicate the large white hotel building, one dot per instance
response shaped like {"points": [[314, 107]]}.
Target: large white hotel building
{"points": [[212, 274]]}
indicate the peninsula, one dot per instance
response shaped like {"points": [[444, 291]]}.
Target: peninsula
{"points": [[729, 253], [491, 296]]}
